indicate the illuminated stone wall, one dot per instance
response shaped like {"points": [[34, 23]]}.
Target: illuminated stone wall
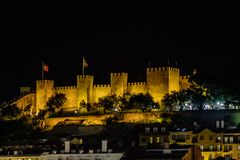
{"points": [[100, 90], [160, 80], [44, 90], [71, 95], [137, 87], [119, 83]]}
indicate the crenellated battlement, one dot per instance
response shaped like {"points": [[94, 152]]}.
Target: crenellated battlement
{"points": [[84, 76], [65, 87], [154, 69], [159, 80], [136, 83], [101, 85], [118, 74], [44, 81]]}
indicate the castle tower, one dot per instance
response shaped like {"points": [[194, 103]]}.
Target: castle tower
{"points": [[162, 80], [119, 83], [44, 90], [84, 88]]}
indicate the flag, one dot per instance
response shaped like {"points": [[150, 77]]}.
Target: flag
{"points": [[84, 63], [45, 67]]}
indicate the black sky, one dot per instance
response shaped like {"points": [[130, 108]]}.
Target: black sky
{"points": [[116, 37]]}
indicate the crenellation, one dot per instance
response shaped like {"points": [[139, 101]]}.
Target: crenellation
{"points": [[64, 87], [136, 83], [159, 80], [84, 76], [101, 85]]}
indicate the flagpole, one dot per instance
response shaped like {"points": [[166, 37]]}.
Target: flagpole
{"points": [[83, 66], [42, 70]]}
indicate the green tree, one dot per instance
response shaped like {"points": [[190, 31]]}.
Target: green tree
{"points": [[124, 101], [11, 112], [56, 102], [141, 101], [109, 103]]}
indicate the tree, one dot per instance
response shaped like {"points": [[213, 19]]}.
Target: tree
{"points": [[124, 101], [11, 112], [109, 103], [56, 102], [141, 101], [170, 101]]}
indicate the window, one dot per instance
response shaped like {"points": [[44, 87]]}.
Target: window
{"points": [[151, 140], [173, 137], [201, 138], [155, 129], [219, 147], [210, 147], [230, 139], [163, 129], [182, 137], [144, 140], [219, 138], [201, 147], [147, 130], [211, 137], [225, 139], [158, 140], [238, 147], [187, 137]]}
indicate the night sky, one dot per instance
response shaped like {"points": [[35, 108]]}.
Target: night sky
{"points": [[116, 37]]}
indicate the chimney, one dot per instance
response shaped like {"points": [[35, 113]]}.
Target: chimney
{"points": [[104, 145], [67, 146]]}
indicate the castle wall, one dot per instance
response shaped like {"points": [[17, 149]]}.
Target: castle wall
{"points": [[173, 79], [137, 87], [119, 83], [27, 100], [44, 90], [157, 81], [84, 88], [71, 95], [100, 90], [162, 80]]}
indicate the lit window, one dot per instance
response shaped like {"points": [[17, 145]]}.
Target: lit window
{"points": [[219, 147], [226, 139], [158, 140], [187, 137], [238, 147], [147, 130], [201, 147], [80, 141], [210, 147], [173, 137], [155, 129], [230, 139], [150, 140]]}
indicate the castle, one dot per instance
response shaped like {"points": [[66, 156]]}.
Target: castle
{"points": [[159, 81]]}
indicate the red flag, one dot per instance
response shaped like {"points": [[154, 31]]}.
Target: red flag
{"points": [[45, 68]]}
